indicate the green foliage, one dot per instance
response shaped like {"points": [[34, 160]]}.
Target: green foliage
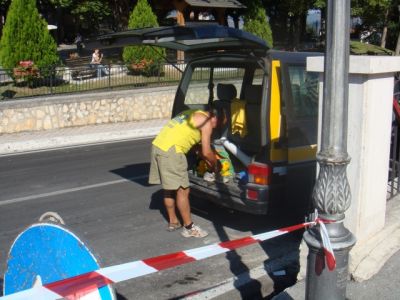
{"points": [[379, 15], [370, 11], [142, 16], [25, 37], [319, 4], [255, 21], [61, 3], [91, 12]]}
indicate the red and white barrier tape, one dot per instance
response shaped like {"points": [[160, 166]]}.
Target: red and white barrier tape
{"points": [[76, 287]]}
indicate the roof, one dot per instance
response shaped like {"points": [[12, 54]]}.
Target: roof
{"points": [[216, 3]]}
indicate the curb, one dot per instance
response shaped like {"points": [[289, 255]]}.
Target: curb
{"points": [[78, 136], [368, 258], [73, 140]]}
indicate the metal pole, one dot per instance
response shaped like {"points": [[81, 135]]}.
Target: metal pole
{"points": [[331, 195]]}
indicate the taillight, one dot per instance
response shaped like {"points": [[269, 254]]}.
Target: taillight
{"points": [[259, 173]]}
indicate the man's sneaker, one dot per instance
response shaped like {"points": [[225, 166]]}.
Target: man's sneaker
{"points": [[209, 177], [195, 231]]}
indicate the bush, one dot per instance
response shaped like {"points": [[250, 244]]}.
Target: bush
{"points": [[146, 68], [142, 16], [255, 22], [26, 37]]}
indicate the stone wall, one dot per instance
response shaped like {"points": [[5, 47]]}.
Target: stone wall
{"points": [[46, 113]]}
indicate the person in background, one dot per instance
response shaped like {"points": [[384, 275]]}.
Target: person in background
{"points": [[169, 164], [97, 58], [79, 43]]}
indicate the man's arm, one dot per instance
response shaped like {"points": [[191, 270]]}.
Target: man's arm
{"points": [[207, 153]]}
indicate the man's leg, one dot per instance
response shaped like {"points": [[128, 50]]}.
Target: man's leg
{"points": [[169, 202], [182, 202]]}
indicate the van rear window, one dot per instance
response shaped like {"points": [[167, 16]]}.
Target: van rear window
{"points": [[200, 90]]}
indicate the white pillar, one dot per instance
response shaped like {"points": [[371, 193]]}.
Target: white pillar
{"points": [[368, 139]]}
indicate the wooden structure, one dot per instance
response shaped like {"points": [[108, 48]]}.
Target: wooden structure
{"points": [[188, 11]]}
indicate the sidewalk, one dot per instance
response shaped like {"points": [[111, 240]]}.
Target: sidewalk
{"points": [[374, 268], [376, 263], [384, 285], [76, 136]]}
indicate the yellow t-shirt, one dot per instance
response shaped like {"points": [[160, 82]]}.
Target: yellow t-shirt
{"points": [[179, 132]]}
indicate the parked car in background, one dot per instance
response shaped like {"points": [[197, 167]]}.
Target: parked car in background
{"points": [[273, 156]]}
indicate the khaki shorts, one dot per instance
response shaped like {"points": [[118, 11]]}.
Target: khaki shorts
{"points": [[168, 168]]}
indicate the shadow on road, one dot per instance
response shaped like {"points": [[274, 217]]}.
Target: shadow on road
{"points": [[284, 248], [120, 297], [137, 173]]}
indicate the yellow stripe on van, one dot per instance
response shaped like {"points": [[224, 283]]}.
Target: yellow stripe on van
{"points": [[275, 113], [302, 154], [277, 153]]}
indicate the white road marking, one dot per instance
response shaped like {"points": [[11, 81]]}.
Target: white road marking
{"points": [[71, 190]]}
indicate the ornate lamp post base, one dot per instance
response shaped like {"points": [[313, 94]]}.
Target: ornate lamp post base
{"points": [[322, 283]]}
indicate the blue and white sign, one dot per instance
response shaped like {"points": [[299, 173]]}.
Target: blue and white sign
{"points": [[52, 252]]}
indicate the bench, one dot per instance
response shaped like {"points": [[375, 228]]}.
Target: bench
{"points": [[81, 68]]}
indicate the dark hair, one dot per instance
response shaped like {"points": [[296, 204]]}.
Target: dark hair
{"points": [[216, 110]]}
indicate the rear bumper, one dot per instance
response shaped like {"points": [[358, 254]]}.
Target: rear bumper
{"points": [[229, 200]]}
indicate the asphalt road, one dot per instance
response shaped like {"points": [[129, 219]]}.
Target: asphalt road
{"points": [[102, 194]]}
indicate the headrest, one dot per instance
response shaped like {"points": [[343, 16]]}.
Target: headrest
{"points": [[252, 94], [226, 92]]}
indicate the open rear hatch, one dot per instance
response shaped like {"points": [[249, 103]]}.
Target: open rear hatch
{"points": [[190, 39]]}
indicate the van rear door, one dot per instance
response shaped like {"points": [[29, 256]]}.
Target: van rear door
{"points": [[301, 107], [191, 39]]}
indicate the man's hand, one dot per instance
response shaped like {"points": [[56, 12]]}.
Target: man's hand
{"points": [[215, 165]]}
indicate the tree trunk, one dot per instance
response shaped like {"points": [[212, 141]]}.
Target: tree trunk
{"points": [[397, 51], [384, 32], [383, 39]]}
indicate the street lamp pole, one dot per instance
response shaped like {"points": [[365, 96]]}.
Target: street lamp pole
{"points": [[331, 195]]}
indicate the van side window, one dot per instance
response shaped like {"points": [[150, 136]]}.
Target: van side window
{"points": [[304, 90]]}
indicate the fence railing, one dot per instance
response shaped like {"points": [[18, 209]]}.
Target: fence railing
{"points": [[64, 79], [394, 161]]}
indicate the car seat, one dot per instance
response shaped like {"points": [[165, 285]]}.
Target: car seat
{"points": [[225, 94], [252, 141]]}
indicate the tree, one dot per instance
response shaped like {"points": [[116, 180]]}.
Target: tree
{"points": [[90, 13], [381, 16], [87, 16], [142, 16], [120, 12], [255, 21], [3, 10], [288, 20], [26, 37]]}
